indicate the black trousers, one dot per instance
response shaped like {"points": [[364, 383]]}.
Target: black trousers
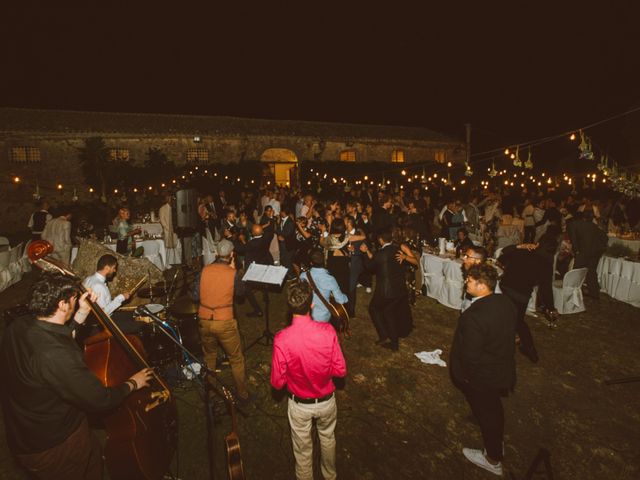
{"points": [[529, 234], [486, 406], [526, 339], [391, 317], [591, 264]]}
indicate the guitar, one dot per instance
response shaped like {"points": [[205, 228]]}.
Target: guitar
{"points": [[339, 316], [232, 442]]}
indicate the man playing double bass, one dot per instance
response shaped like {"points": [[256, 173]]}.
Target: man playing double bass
{"points": [[47, 389]]}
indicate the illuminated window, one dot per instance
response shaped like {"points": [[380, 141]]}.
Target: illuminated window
{"points": [[25, 154], [397, 156], [197, 155], [119, 154], [348, 156], [440, 156]]}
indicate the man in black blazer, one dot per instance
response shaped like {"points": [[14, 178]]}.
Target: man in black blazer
{"points": [[286, 231], [589, 243], [256, 250], [389, 307], [482, 361]]}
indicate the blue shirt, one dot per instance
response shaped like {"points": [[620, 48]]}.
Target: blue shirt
{"points": [[327, 286]]}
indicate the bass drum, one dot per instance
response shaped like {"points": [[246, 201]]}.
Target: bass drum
{"points": [[160, 349]]}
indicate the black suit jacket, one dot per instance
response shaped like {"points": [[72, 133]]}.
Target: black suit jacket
{"points": [[288, 232], [390, 274], [482, 353], [587, 239], [257, 250]]}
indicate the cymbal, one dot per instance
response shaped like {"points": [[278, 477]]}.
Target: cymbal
{"points": [[184, 306], [154, 292]]}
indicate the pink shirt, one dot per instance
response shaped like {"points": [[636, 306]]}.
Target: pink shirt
{"points": [[306, 356]]}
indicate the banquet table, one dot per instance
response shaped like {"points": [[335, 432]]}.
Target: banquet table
{"points": [[620, 279], [444, 282], [633, 244], [154, 251], [153, 229]]}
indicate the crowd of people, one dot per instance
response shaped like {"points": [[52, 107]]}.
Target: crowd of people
{"points": [[333, 242]]}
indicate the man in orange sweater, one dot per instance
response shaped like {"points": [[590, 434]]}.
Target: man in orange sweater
{"points": [[219, 282]]}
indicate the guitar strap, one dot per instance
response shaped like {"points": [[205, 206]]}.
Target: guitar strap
{"points": [[317, 292]]}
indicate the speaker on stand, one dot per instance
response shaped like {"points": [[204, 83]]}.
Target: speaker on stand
{"points": [[186, 220]]}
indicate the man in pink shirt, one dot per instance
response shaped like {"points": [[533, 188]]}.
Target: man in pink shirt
{"points": [[306, 357]]}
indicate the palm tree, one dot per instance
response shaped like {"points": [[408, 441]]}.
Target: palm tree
{"points": [[94, 156]]}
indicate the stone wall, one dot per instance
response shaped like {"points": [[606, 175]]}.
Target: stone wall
{"points": [[60, 164]]}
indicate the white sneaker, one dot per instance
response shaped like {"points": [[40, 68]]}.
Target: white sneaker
{"points": [[477, 457], [368, 290]]}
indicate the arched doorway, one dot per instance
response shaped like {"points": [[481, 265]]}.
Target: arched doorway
{"points": [[283, 165]]}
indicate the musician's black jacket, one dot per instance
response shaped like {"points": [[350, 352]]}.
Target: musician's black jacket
{"points": [[482, 353], [46, 385]]}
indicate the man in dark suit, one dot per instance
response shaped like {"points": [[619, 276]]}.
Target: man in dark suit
{"points": [[389, 307], [286, 231], [589, 243], [256, 250], [382, 219], [482, 364]]}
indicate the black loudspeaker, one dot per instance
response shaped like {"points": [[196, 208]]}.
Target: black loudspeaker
{"points": [[186, 209]]}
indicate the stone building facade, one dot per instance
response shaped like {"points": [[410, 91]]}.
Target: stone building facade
{"points": [[40, 147]]}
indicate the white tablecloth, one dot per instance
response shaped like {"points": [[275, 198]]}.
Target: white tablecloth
{"points": [[634, 245], [153, 229], [444, 282], [154, 250], [620, 279]]}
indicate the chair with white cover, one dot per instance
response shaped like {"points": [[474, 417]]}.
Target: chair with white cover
{"points": [[451, 293], [152, 253], [498, 252], [5, 259], [4, 244], [433, 275], [567, 293]]}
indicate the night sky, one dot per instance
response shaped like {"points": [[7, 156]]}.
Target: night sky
{"points": [[515, 72]]}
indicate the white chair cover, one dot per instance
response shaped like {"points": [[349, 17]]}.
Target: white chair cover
{"points": [[11, 267], [152, 253], [451, 290], [174, 255], [623, 286], [567, 294], [433, 275], [4, 241]]}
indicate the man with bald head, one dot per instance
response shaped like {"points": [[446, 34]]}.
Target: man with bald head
{"points": [[256, 250]]}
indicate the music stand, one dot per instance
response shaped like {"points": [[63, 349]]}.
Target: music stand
{"points": [[265, 276]]}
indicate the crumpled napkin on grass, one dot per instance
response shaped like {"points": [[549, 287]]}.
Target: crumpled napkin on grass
{"points": [[432, 358]]}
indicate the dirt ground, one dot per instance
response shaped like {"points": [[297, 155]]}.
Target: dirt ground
{"points": [[401, 419]]}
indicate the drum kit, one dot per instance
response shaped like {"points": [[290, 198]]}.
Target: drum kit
{"points": [[174, 322]]}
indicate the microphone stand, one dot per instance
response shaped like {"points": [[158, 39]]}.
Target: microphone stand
{"points": [[209, 386]]}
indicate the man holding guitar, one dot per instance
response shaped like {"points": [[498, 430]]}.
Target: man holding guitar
{"points": [[325, 283], [47, 387], [306, 357]]}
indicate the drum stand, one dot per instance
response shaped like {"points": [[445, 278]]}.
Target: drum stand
{"points": [[211, 382]]}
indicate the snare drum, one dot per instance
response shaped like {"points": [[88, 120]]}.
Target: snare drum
{"points": [[155, 308]]}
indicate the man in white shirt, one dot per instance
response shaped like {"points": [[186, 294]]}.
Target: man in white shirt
{"points": [[106, 270]]}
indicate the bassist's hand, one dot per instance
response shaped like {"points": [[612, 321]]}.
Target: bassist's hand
{"points": [[142, 378]]}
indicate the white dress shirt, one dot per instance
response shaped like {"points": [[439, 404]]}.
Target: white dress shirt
{"points": [[98, 284]]}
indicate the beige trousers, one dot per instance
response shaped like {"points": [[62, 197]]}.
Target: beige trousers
{"points": [[301, 417], [227, 334]]}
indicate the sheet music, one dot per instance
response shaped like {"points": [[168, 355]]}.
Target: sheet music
{"points": [[265, 274]]}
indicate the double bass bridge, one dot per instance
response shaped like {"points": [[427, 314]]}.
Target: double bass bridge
{"points": [[157, 399]]}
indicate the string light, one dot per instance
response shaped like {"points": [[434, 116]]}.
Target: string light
{"points": [[90, 189], [506, 151], [572, 137], [59, 187], [135, 190], [449, 164], [16, 179]]}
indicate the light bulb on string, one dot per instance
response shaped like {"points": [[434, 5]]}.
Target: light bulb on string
{"points": [[572, 137], [506, 151]]}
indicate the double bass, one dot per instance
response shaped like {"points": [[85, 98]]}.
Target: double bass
{"points": [[142, 431]]}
